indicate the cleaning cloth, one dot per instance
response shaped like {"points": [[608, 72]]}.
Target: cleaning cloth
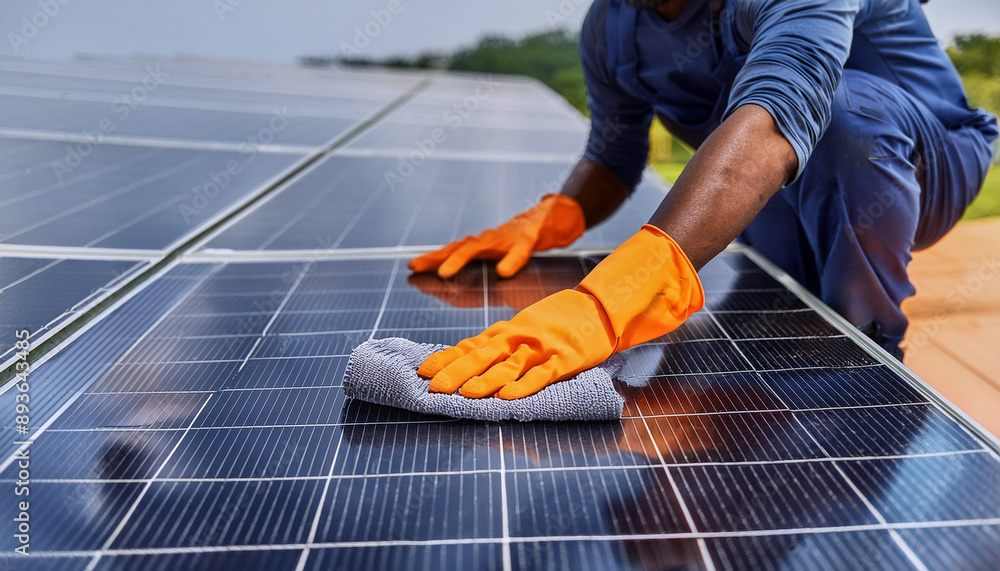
{"points": [[384, 371]]}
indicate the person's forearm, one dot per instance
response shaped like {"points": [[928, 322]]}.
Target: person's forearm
{"points": [[726, 184], [598, 191]]}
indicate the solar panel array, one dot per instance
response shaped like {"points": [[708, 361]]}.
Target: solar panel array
{"points": [[199, 421]]}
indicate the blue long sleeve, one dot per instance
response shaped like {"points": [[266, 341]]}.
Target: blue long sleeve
{"points": [[795, 62]]}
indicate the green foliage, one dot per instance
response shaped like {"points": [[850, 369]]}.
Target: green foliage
{"points": [[551, 57], [976, 54], [987, 204]]}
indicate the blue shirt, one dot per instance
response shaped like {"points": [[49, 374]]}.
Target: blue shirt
{"points": [[786, 56]]}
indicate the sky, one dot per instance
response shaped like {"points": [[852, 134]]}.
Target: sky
{"points": [[284, 30]]}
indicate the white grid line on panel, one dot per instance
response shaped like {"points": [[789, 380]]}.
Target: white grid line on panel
{"points": [[529, 539]]}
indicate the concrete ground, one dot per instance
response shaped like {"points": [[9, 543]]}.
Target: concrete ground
{"points": [[954, 338]]}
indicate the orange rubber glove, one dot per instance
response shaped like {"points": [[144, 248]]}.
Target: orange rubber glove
{"points": [[644, 289], [555, 222]]}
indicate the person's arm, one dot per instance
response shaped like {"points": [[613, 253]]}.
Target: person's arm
{"points": [[779, 107], [728, 181]]}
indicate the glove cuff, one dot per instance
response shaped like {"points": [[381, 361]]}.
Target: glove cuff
{"points": [[647, 286], [564, 222]]}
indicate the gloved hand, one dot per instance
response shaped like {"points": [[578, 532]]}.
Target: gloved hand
{"points": [[555, 222], [644, 289]]}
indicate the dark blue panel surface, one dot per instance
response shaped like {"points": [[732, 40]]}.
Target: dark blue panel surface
{"points": [[888, 431], [350, 202], [69, 517], [97, 455], [486, 556], [280, 452], [222, 513], [821, 387], [267, 407], [286, 373], [391, 448], [930, 488], [770, 496], [964, 547], [610, 555], [607, 501], [873, 550], [390, 508], [170, 123], [207, 561], [132, 410], [693, 394]]}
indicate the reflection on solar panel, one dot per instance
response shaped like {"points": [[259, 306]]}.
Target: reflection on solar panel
{"points": [[199, 422]]}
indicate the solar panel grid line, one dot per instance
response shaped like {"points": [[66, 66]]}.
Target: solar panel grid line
{"points": [[498, 471], [530, 539], [897, 539], [314, 527]]}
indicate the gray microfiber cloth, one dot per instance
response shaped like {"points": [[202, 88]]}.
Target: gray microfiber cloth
{"points": [[384, 371]]}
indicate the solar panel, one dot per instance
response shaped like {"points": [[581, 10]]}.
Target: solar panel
{"points": [[38, 294], [200, 421], [813, 452], [117, 196]]}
